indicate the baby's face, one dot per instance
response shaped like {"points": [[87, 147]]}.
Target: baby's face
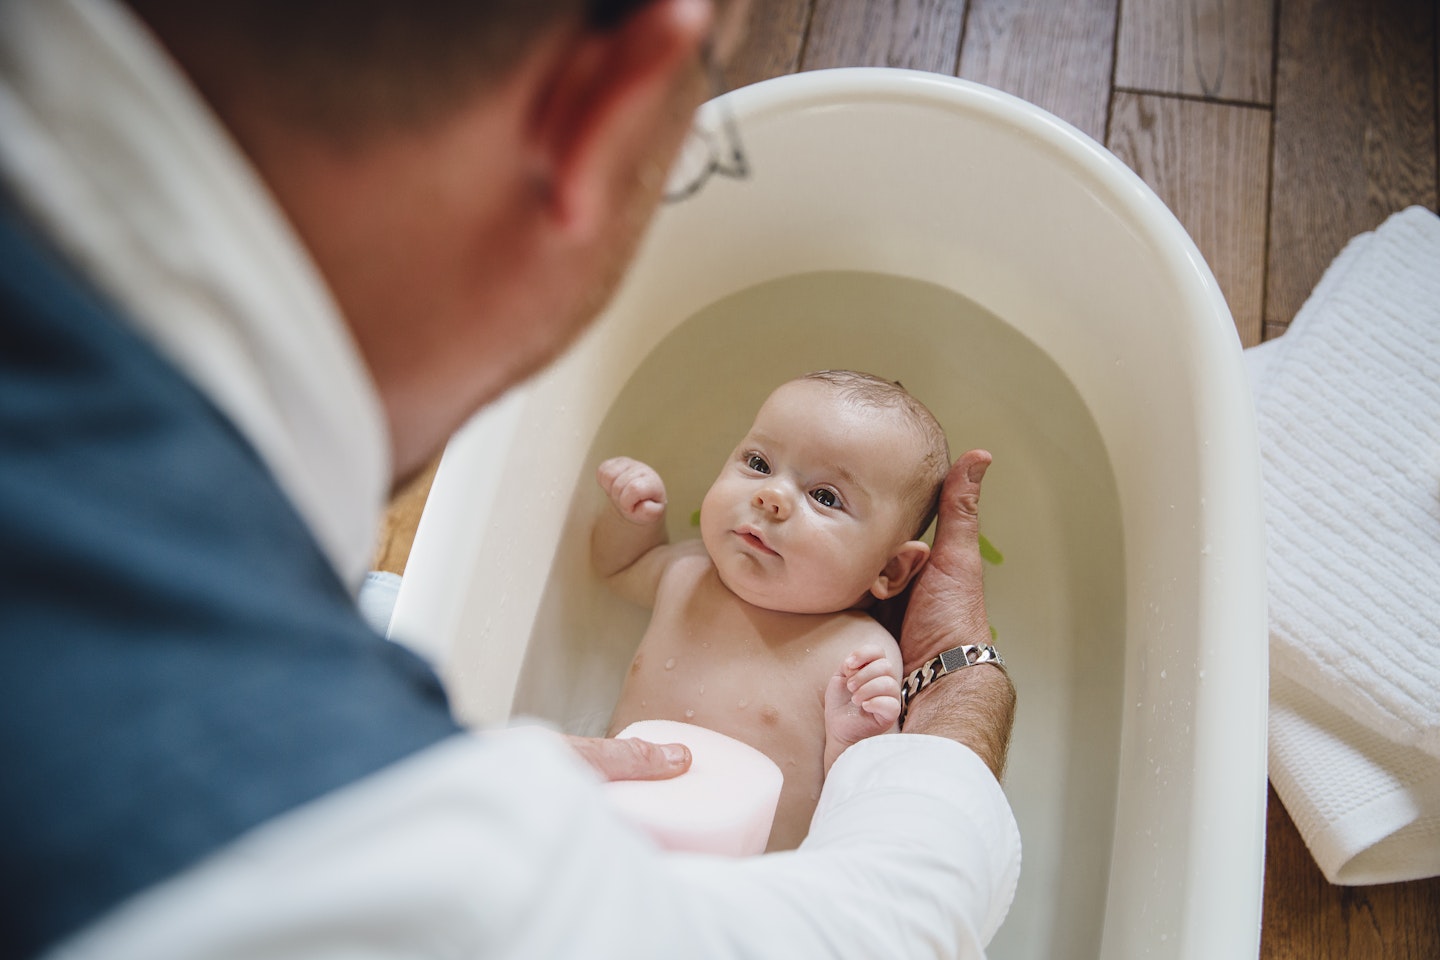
{"points": [[808, 509]]}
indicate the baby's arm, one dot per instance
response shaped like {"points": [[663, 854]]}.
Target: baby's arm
{"points": [[863, 698], [623, 546]]}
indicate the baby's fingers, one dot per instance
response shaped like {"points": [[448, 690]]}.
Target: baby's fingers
{"points": [[886, 686], [885, 710], [857, 677], [610, 470], [634, 487]]}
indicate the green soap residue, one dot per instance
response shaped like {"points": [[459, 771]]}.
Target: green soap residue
{"points": [[695, 519], [989, 554]]}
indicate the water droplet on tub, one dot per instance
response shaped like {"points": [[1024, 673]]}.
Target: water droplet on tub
{"points": [[1162, 674], [743, 704], [670, 664]]}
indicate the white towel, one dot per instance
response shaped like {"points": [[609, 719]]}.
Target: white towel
{"points": [[1348, 409]]}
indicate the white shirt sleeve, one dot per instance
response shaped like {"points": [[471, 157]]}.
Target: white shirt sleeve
{"points": [[501, 845]]}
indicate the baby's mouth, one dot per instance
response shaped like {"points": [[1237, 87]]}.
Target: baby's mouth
{"points": [[752, 537]]}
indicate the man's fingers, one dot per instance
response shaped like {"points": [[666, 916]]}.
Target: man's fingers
{"points": [[630, 759], [947, 602], [958, 531]]}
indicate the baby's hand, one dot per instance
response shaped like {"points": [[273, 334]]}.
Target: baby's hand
{"points": [[863, 699], [635, 488]]}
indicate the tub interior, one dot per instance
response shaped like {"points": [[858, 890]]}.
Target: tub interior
{"points": [[1050, 506]]}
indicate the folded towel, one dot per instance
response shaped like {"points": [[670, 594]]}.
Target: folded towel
{"points": [[1348, 410]]}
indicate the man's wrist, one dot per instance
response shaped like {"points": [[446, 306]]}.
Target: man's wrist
{"points": [[974, 707], [944, 664]]}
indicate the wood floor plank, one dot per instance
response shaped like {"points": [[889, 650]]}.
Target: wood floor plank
{"points": [[1308, 918], [1217, 49], [918, 34], [773, 41], [1355, 118], [1207, 162], [402, 519], [1055, 53]]}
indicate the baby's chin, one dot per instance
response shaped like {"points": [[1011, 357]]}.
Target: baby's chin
{"points": [[769, 596]]}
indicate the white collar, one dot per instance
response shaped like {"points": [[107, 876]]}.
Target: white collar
{"points": [[115, 155]]}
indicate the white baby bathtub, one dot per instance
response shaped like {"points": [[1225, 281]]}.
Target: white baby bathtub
{"points": [[1045, 304]]}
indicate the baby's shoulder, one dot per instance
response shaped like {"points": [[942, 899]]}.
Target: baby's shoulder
{"points": [[852, 628], [686, 564]]}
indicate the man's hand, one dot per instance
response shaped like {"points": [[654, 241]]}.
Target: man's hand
{"points": [[945, 608], [632, 759], [946, 605]]}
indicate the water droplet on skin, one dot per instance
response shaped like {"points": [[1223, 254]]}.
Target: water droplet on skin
{"points": [[702, 689], [644, 703], [743, 704], [670, 664], [705, 644], [791, 761], [689, 714]]}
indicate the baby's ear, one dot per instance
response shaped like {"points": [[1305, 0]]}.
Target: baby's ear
{"points": [[909, 557]]}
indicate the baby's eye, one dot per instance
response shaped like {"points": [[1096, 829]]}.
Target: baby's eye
{"points": [[826, 498], [757, 463]]}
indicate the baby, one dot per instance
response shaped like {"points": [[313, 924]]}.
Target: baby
{"points": [[759, 628]]}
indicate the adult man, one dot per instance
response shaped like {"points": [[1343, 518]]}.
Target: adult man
{"points": [[259, 260]]}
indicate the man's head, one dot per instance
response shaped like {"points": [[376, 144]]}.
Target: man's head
{"points": [[470, 179], [820, 506]]}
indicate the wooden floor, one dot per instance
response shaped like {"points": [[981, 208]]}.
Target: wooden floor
{"points": [[1274, 129]]}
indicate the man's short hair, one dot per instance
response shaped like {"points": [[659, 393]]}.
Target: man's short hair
{"points": [[351, 69]]}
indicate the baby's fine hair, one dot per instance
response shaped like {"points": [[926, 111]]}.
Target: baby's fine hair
{"points": [[866, 389]]}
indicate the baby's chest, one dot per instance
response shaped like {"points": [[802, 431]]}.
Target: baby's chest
{"points": [[723, 674]]}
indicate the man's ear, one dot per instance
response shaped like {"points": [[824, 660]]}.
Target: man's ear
{"points": [[901, 569], [614, 101]]}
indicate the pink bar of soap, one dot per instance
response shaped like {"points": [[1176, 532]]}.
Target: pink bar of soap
{"points": [[725, 803]]}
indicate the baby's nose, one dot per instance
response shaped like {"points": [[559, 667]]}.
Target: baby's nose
{"points": [[772, 500]]}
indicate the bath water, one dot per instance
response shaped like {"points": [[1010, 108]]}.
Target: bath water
{"points": [[1049, 506]]}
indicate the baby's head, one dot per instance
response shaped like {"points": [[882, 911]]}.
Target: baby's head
{"points": [[821, 506]]}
